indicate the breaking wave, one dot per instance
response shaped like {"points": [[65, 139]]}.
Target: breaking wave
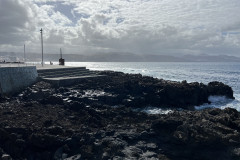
{"points": [[221, 102], [154, 110], [204, 72]]}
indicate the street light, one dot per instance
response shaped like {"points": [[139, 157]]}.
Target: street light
{"points": [[24, 56], [42, 44]]}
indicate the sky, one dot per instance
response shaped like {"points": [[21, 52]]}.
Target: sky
{"points": [[161, 27]]}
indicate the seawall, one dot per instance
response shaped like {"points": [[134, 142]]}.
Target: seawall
{"points": [[13, 79]]}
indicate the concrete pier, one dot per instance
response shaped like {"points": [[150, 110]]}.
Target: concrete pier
{"points": [[63, 76], [15, 78]]}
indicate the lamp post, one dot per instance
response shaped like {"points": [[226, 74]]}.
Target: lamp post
{"points": [[42, 44], [60, 53], [61, 60], [24, 56]]}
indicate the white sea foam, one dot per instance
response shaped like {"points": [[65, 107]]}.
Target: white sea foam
{"points": [[205, 72], [221, 102], [218, 99], [157, 111], [154, 110]]}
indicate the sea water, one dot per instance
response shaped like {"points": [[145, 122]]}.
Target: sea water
{"points": [[205, 72]]}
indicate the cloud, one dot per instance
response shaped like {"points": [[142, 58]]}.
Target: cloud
{"points": [[15, 20], [137, 26]]}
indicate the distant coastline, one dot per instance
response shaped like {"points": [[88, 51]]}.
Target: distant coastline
{"points": [[118, 57]]}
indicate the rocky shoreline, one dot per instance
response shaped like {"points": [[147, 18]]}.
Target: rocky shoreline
{"points": [[94, 119]]}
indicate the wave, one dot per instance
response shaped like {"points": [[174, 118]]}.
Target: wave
{"points": [[221, 102], [192, 72], [154, 110]]}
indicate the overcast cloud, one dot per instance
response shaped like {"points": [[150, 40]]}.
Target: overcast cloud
{"points": [[171, 27]]}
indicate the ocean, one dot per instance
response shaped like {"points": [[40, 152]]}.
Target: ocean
{"points": [[228, 73]]}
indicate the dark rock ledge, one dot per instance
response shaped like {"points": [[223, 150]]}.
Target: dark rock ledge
{"points": [[80, 122]]}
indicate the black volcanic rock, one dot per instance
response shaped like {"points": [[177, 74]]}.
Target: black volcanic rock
{"points": [[76, 106], [142, 91], [94, 119], [220, 89], [52, 100], [213, 129]]}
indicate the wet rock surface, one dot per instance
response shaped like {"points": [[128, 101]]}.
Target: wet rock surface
{"points": [[94, 119]]}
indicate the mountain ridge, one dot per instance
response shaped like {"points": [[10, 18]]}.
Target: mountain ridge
{"points": [[119, 57]]}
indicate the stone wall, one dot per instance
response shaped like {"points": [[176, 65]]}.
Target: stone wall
{"points": [[13, 79]]}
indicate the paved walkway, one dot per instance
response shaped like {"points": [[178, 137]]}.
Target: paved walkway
{"points": [[38, 66], [58, 75]]}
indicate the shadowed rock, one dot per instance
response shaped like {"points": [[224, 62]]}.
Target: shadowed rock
{"points": [[94, 120]]}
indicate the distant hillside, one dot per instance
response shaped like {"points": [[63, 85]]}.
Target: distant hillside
{"points": [[120, 57], [209, 58]]}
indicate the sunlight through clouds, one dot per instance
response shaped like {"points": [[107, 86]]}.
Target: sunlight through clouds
{"points": [[136, 26]]}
